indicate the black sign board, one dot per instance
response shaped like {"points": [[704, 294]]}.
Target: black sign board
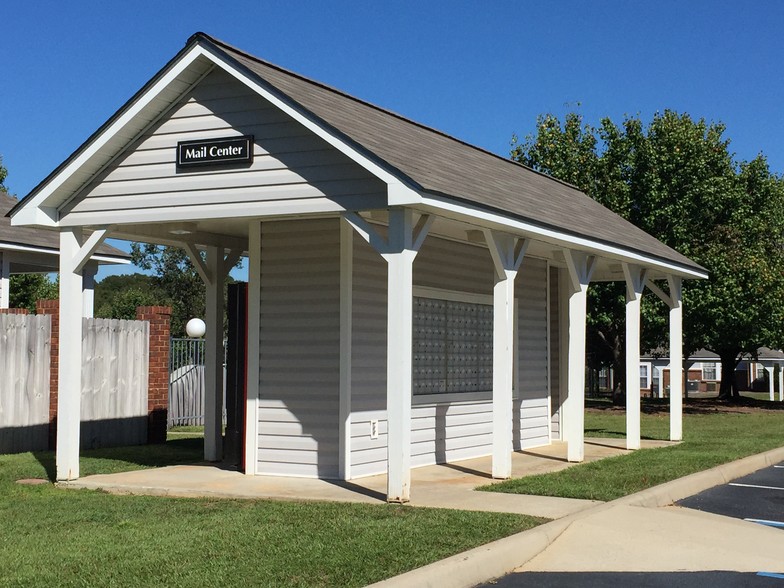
{"points": [[215, 151]]}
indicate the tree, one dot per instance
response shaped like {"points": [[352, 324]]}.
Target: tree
{"points": [[119, 296], [176, 279], [3, 175], [26, 289], [677, 180]]}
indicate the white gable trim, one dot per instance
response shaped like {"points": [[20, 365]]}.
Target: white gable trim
{"points": [[55, 252], [467, 213], [42, 208]]}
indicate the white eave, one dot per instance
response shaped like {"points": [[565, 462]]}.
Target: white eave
{"points": [[475, 214]]}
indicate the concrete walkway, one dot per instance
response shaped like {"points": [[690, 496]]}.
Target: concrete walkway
{"points": [[441, 486], [637, 533], [641, 532]]}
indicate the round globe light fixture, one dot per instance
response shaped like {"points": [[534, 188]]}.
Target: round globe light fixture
{"points": [[195, 328]]}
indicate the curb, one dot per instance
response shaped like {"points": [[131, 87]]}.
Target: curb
{"points": [[501, 557]]}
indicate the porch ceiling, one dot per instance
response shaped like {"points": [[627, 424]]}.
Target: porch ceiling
{"points": [[232, 233]]}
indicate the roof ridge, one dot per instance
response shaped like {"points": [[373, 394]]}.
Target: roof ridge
{"points": [[377, 107]]}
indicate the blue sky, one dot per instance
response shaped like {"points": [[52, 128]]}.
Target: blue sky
{"points": [[481, 71]]}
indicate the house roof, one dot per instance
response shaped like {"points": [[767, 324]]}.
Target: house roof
{"points": [[430, 162], [39, 238]]}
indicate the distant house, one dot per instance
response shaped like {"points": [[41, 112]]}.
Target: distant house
{"points": [[31, 250], [412, 299], [762, 373]]}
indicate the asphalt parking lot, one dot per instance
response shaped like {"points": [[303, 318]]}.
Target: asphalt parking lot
{"points": [[758, 497]]}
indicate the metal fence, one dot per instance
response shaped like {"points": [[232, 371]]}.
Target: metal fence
{"points": [[187, 383]]}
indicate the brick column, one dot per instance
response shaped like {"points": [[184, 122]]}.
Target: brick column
{"points": [[52, 307], [159, 318]]}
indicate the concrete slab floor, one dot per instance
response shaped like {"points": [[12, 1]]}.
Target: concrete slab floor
{"points": [[440, 486]]}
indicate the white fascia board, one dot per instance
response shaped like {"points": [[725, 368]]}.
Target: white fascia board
{"points": [[399, 193], [108, 259], [55, 253], [32, 211], [483, 217]]}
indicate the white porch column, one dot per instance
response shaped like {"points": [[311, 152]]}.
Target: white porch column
{"points": [[75, 253], [399, 249], [771, 387], [70, 357], [252, 346], [635, 283], [507, 253], [676, 358], [88, 290], [5, 279], [675, 301], [580, 267], [781, 382], [213, 356]]}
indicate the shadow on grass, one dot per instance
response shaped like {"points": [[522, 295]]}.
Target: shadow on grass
{"points": [[117, 459], [613, 435]]}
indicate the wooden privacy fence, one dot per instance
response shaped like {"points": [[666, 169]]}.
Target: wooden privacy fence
{"points": [[114, 382], [24, 382], [124, 379]]}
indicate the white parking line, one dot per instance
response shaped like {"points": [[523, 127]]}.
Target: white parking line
{"points": [[779, 524], [755, 486], [781, 466]]}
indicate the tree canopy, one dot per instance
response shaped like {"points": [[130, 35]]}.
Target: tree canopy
{"points": [[676, 179], [27, 289]]}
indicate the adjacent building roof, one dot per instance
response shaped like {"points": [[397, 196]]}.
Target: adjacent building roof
{"points": [[41, 239]]}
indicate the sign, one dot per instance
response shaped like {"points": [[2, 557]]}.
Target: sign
{"points": [[221, 151]]}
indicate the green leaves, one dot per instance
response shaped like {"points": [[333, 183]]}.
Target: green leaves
{"points": [[676, 179]]}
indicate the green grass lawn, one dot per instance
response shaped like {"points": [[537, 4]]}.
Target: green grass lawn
{"points": [[710, 439], [51, 536]]}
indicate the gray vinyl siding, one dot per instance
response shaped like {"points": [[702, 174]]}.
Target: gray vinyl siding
{"points": [[555, 366], [456, 429], [368, 360], [299, 348], [290, 162], [530, 427]]}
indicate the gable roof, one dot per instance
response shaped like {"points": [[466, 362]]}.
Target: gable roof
{"points": [[439, 164], [41, 239], [430, 162]]}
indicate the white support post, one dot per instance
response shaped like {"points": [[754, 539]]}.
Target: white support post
{"points": [[399, 250], [771, 387], [635, 284], [70, 357], [781, 382], [5, 279], [252, 382], [507, 253], [676, 358], [346, 274], [213, 355], [580, 268], [88, 289]]}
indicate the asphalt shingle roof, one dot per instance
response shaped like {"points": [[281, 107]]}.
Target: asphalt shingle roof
{"points": [[442, 165], [35, 237]]}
